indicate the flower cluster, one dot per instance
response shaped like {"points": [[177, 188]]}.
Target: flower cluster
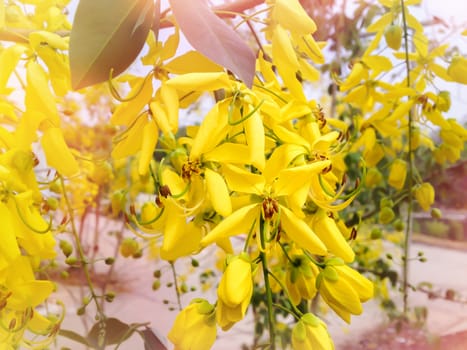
{"points": [[264, 165]]}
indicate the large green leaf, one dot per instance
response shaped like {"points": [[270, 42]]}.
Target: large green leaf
{"points": [[211, 36], [110, 331], [152, 340], [73, 336], [107, 34]]}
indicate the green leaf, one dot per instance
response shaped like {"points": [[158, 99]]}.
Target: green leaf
{"points": [[108, 332], [212, 37], [151, 340], [107, 34], [73, 336]]}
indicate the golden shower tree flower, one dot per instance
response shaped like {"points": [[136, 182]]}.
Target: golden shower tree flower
{"points": [[234, 291], [397, 174], [425, 195], [194, 327], [300, 278], [311, 333], [276, 186], [343, 288]]}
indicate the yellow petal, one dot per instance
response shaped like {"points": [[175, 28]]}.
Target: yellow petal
{"points": [[9, 248], [169, 97], [254, 133], [398, 174], [191, 62], [291, 15], [57, 153], [211, 131], [39, 98], [362, 285], [327, 230], [218, 192], [229, 153], [9, 58], [239, 222], [241, 180], [127, 112], [298, 231], [200, 81], [291, 179], [149, 141]]}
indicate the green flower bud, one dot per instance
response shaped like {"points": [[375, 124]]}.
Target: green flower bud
{"points": [[386, 215], [129, 247], [393, 36], [376, 233], [66, 248], [436, 213]]}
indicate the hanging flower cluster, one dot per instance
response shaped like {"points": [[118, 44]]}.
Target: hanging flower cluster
{"points": [[263, 176], [264, 166]]}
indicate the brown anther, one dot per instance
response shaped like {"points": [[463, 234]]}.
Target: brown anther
{"points": [[357, 182], [320, 117], [132, 210], [189, 168], [344, 180], [35, 160], [270, 207], [353, 234], [165, 191], [327, 169], [12, 324], [64, 220]]}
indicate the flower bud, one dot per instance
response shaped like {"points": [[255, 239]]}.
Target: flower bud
{"points": [[194, 327], [129, 247], [344, 290], [393, 36], [310, 333], [234, 291], [444, 101], [300, 278], [457, 69], [386, 215], [398, 174], [373, 178], [66, 248], [425, 195], [436, 213]]}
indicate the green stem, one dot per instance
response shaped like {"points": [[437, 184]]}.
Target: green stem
{"points": [[297, 313], [81, 253], [174, 274], [408, 231], [269, 304]]}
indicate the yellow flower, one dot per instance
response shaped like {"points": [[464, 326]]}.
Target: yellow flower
{"points": [[300, 278], [373, 178], [343, 288], [425, 195], [276, 182], [398, 174], [194, 327], [326, 229], [234, 291], [310, 333], [457, 69], [57, 153]]}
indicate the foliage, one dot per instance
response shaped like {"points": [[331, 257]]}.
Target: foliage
{"points": [[274, 180]]}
